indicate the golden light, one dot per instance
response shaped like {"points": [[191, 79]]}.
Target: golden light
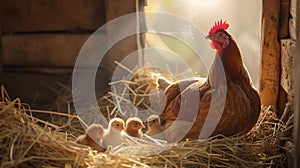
{"points": [[202, 4]]}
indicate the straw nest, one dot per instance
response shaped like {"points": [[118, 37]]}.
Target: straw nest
{"points": [[28, 141]]}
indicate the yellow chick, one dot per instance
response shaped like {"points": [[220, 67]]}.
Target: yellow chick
{"points": [[134, 127], [92, 137], [112, 136], [154, 126]]}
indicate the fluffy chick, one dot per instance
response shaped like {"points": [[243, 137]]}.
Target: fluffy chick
{"points": [[154, 126], [92, 137], [134, 127], [112, 136]]}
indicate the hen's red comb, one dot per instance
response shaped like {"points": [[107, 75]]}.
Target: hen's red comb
{"points": [[218, 25]]}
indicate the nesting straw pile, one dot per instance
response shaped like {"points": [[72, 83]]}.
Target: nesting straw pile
{"points": [[28, 141]]}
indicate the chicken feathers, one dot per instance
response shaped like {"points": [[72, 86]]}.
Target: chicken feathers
{"points": [[112, 136], [92, 137], [225, 102]]}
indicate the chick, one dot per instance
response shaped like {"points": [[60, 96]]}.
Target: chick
{"points": [[112, 136], [92, 137], [154, 126], [134, 127]]}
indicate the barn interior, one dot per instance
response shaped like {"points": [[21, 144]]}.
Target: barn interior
{"points": [[45, 56]]}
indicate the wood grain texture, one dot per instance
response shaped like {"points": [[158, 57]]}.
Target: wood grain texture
{"points": [[49, 50], [297, 94], [51, 15], [121, 48], [32, 88], [114, 10], [1, 60], [292, 28], [284, 18], [270, 65], [288, 51]]}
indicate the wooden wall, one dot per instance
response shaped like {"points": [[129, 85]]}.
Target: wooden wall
{"points": [[280, 70], [41, 41], [295, 17], [277, 53]]}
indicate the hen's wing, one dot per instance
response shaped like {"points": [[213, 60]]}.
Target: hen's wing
{"points": [[184, 109], [188, 89], [176, 88]]}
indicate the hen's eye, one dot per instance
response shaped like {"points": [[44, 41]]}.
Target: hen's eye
{"points": [[154, 121], [117, 124], [136, 123]]}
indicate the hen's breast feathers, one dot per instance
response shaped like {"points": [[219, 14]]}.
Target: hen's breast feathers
{"points": [[180, 97]]}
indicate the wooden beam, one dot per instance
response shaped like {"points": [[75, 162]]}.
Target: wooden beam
{"points": [[1, 60], [114, 10], [297, 93], [288, 48], [293, 18], [49, 50], [270, 71], [33, 88], [284, 18], [122, 48], [50, 15]]}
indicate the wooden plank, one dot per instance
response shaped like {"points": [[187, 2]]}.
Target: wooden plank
{"points": [[288, 48], [284, 18], [50, 50], [122, 48], [51, 15], [32, 88], [1, 60], [270, 65], [297, 95], [282, 100], [292, 28], [292, 21], [115, 9], [293, 8]]}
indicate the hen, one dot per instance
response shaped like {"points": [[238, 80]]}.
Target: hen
{"points": [[226, 102]]}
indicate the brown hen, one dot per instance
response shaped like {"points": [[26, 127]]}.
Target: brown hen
{"points": [[225, 102]]}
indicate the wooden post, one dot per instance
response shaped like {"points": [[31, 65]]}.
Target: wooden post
{"points": [[122, 48], [114, 10], [297, 92], [270, 72], [1, 60], [283, 33], [284, 19]]}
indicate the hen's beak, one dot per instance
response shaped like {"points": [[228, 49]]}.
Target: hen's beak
{"points": [[210, 37]]}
